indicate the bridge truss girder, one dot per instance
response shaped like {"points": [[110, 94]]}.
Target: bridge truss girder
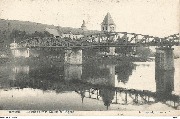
{"points": [[109, 39]]}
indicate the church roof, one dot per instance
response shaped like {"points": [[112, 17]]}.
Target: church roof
{"points": [[108, 19], [52, 31]]}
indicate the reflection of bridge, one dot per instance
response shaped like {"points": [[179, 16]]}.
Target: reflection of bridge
{"points": [[128, 96], [106, 92], [106, 39], [109, 95]]}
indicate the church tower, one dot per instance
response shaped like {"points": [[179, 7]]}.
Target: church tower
{"points": [[108, 24], [83, 26]]}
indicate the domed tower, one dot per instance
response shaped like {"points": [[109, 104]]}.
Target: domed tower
{"points": [[108, 24], [83, 26]]}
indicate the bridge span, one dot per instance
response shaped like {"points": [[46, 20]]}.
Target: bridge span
{"points": [[73, 48], [105, 39]]}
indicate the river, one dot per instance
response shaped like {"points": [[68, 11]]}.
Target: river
{"points": [[91, 86]]}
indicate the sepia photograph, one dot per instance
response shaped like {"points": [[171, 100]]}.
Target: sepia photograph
{"points": [[90, 57]]}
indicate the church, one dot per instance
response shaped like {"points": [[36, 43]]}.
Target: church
{"points": [[107, 25]]}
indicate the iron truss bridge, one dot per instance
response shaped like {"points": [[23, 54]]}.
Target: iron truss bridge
{"points": [[109, 39]]}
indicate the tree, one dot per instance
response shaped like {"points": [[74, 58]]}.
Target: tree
{"points": [[124, 50], [143, 52]]}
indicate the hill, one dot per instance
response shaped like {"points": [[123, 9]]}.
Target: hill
{"points": [[10, 29], [28, 27], [21, 30]]}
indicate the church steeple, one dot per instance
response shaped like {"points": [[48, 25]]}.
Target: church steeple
{"points": [[83, 26], [108, 24]]}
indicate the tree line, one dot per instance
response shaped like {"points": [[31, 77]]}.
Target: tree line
{"points": [[8, 37]]}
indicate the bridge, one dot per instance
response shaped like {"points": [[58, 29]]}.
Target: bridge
{"points": [[104, 39], [164, 59], [73, 48]]}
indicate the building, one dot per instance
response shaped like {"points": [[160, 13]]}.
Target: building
{"points": [[54, 32], [70, 33], [75, 33], [108, 24]]}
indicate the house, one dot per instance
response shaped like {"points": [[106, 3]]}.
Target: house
{"points": [[54, 32]]}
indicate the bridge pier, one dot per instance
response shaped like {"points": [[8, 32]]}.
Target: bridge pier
{"points": [[164, 72], [164, 58], [164, 83], [73, 56]]}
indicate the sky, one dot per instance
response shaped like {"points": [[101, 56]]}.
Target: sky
{"points": [[149, 17]]}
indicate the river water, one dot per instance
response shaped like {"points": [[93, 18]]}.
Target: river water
{"points": [[37, 85]]}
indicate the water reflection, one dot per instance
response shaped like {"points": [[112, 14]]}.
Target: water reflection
{"points": [[73, 72], [107, 96], [85, 83], [99, 75], [123, 72], [107, 74], [164, 83], [47, 72], [19, 69]]}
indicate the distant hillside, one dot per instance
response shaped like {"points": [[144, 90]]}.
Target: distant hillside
{"points": [[21, 30], [31, 27], [10, 29], [28, 27]]}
